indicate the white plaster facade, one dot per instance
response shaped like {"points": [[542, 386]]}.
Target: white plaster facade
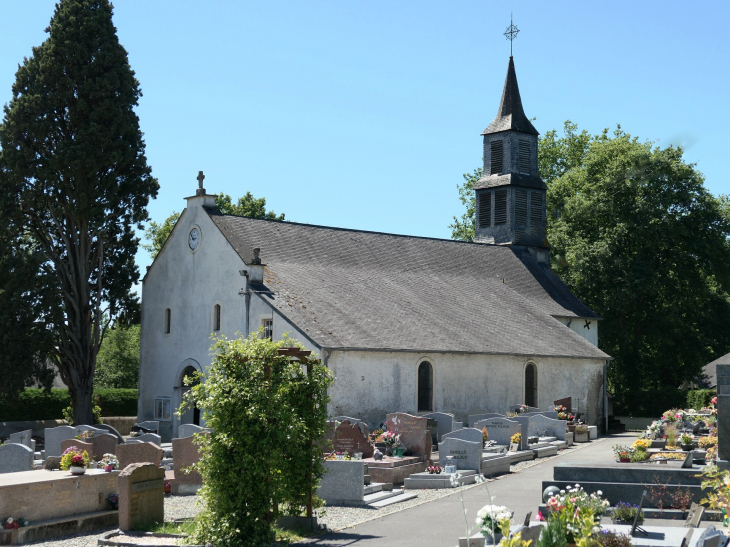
{"points": [[368, 384]]}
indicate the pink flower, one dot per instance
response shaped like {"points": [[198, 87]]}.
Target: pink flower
{"points": [[539, 516]]}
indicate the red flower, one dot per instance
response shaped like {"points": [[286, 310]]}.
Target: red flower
{"points": [[78, 459]]}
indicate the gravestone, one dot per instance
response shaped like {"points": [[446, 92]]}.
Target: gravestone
{"points": [[151, 425], [24, 438], [185, 452], [474, 418], [103, 443], [445, 423], [350, 438], [109, 429], [524, 421], [567, 402], [471, 434], [132, 441], [53, 437], [500, 430], [468, 455], [15, 457], [351, 420], [81, 428], [81, 445], [186, 430], [149, 438], [723, 415], [138, 453], [141, 496], [547, 427], [413, 431]]}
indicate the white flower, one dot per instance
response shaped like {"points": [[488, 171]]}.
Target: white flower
{"points": [[599, 493], [562, 491]]}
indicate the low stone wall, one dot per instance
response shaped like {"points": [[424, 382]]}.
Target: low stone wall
{"points": [[635, 423]]}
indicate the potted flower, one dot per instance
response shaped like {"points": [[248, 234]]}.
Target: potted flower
{"points": [[686, 441], [110, 462], [489, 518], [390, 439], [625, 513], [514, 442], [623, 453], [573, 507], [581, 434], [113, 500], [74, 460], [434, 469]]}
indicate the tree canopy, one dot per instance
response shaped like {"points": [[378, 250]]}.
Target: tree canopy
{"points": [[247, 206], [75, 180], [640, 240], [117, 363]]}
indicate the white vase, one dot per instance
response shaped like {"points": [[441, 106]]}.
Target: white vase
{"points": [[77, 470]]}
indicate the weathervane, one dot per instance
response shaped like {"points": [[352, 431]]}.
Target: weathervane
{"points": [[511, 34]]}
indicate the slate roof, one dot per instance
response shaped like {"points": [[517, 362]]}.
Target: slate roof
{"points": [[367, 290], [510, 115], [710, 370]]}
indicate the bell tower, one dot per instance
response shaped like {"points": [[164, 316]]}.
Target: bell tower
{"points": [[510, 196]]}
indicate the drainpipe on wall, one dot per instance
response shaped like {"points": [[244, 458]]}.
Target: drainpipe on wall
{"points": [[247, 295], [605, 396]]}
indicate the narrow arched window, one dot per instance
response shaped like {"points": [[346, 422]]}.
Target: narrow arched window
{"points": [[217, 317], [168, 321], [425, 386], [531, 385]]}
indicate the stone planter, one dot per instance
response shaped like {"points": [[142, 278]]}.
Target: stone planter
{"points": [[687, 447], [580, 437], [77, 470]]}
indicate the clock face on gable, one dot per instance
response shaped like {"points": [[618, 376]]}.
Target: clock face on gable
{"points": [[194, 238]]}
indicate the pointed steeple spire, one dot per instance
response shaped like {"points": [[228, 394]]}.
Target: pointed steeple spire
{"points": [[510, 115]]}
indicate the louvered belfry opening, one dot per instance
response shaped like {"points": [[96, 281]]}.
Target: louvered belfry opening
{"points": [[425, 386], [537, 206], [500, 206], [531, 385], [524, 157], [485, 209], [520, 211], [497, 158]]}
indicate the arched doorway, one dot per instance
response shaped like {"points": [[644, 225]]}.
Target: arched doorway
{"points": [[425, 387], [531, 384], [191, 415]]}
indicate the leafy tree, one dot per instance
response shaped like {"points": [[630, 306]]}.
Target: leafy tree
{"points": [[25, 333], [247, 206], [463, 229], [641, 241], [117, 363], [264, 410], [76, 180]]}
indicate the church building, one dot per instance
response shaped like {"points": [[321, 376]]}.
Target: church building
{"points": [[411, 324]]}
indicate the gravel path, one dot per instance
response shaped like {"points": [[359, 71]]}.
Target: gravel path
{"points": [[335, 517]]}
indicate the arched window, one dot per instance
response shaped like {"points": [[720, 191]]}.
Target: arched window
{"points": [[425, 386], [217, 317], [531, 384], [189, 372], [168, 321]]}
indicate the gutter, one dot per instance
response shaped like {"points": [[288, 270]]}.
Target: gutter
{"points": [[605, 394]]}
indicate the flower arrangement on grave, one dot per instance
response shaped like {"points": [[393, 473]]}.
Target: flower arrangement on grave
{"points": [[707, 442], [639, 455], [713, 406], [711, 454], [13, 524], [110, 462], [490, 517], [623, 453], [516, 438], [511, 414], [686, 440], [74, 457], [670, 434], [523, 408], [563, 413], [623, 513], [574, 508], [485, 436], [674, 415], [609, 538], [642, 444], [653, 429], [717, 483], [376, 434], [84, 435], [434, 469], [390, 438]]}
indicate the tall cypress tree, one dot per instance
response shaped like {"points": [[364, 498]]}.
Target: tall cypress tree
{"points": [[75, 177]]}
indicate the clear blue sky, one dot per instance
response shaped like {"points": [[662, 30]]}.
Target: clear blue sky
{"points": [[365, 114]]}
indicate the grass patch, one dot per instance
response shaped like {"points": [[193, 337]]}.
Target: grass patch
{"points": [[283, 537]]}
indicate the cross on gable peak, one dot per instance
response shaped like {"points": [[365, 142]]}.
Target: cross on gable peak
{"points": [[201, 177]]}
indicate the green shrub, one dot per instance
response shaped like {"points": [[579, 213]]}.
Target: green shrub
{"points": [[649, 402], [264, 411], [699, 398], [38, 404]]}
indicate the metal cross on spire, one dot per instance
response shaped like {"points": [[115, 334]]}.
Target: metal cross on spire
{"points": [[511, 34]]}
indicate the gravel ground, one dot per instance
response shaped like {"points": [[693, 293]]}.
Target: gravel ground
{"points": [[335, 517]]}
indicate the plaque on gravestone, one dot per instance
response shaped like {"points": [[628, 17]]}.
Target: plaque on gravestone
{"points": [[466, 454], [413, 432]]}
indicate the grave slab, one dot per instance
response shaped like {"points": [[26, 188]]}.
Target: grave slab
{"points": [[427, 481], [112, 431], [342, 482], [149, 438], [138, 453], [185, 453], [445, 422], [474, 418], [103, 443], [471, 434], [352, 438], [81, 445], [15, 457], [186, 430], [141, 495], [152, 425], [394, 470], [547, 427], [501, 430], [53, 437], [414, 433], [467, 454], [545, 451], [495, 466], [23, 437]]}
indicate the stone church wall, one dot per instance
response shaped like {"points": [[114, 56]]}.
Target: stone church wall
{"points": [[370, 384]]}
